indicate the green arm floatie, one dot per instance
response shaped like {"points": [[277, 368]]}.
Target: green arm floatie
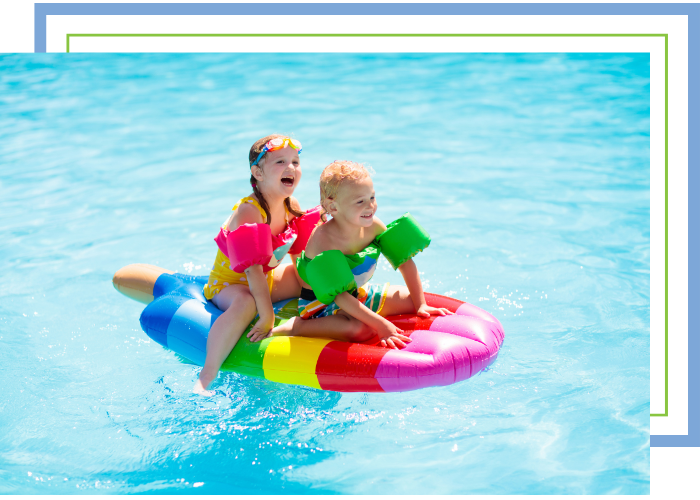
{"points": [[301, 266], [328, 274], [403, 239]]}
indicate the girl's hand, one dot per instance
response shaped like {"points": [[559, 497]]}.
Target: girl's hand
{"points": [[261, 328], [390, 336], [425, 310]]}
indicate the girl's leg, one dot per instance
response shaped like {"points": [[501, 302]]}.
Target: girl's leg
{"points": [[285, 284], [398, 301], [239, 310]]}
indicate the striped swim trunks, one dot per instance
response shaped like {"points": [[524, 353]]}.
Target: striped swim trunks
{"points": [[372, 296]]}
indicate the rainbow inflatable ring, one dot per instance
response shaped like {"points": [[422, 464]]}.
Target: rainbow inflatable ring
{"points": [[444, 350]]}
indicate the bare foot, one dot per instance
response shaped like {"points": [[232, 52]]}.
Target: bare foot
{"points": [[199, 389], [286, 329]]}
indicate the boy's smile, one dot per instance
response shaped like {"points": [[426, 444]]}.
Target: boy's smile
{"points": [[356, 202]]}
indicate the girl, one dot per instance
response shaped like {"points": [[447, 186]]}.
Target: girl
{"points": [[262, 229], [341, 257]]}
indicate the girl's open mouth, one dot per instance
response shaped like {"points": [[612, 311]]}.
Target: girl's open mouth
{"points": [[367, 216], [288, 181]]}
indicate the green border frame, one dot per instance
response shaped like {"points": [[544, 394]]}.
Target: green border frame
{"points": [[675, 127], [675, 237], [367, 42]]}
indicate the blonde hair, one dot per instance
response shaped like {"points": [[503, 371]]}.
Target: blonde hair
{"points": [[336, 174]]}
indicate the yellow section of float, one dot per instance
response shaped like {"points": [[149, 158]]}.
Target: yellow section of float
{"points": [[292, 360]]}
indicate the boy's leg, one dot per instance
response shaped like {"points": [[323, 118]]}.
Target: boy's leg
{"points": [[397, 301], [239, 310], [339, 326], [385, 300]]}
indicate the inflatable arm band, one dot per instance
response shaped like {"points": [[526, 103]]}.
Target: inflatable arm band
{"points": [[329, 275], [247, 245], [301, 267], [304, 226], [403, 239]]}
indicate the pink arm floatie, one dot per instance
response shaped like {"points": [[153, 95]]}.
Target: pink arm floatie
{"points": [[245, 246], [304, 226]]}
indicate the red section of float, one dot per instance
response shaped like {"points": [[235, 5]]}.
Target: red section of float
{"points": [[347, 367], [434, 300], [410, 323]]}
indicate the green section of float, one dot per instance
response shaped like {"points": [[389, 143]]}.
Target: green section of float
{"points": [[247, 357]]}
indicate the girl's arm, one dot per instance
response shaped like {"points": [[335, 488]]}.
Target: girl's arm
{"points": [[409, 271], [263, 303], [389, 334], [294, 258], [249, 214]]}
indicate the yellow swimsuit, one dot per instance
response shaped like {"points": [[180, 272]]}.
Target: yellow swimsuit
{"points": [[221, 274]]}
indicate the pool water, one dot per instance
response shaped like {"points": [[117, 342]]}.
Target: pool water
{"points": [[530, 171]]}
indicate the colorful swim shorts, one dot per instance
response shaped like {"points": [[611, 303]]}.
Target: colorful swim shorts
{"points": [[372, 296]]}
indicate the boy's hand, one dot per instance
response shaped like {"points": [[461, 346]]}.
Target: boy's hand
{"points": [[261, 328], [390, 336], [425, 310]]}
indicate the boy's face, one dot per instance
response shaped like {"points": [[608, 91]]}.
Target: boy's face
{"points": [[355, 203], [280, 172]]}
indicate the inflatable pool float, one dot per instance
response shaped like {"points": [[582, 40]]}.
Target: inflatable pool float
{"points": [[444, 349]]}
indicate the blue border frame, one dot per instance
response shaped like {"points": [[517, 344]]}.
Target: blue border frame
{"points": [[53, 21]]}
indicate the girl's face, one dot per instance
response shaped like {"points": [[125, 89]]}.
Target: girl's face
{"points": [[355, 203], [279, 173]]}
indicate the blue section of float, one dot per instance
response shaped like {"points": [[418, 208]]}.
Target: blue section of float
{"points": [[156, 317], [183, 284], [180, 317], [189, 328], [170, 292]]}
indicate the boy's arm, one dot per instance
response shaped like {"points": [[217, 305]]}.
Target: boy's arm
{"points": [[294, 258], [409, 271], [261, 293], [378, 227], [389, 334]]}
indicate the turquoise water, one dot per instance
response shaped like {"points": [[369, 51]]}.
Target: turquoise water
{"points": [[530, 171]]}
